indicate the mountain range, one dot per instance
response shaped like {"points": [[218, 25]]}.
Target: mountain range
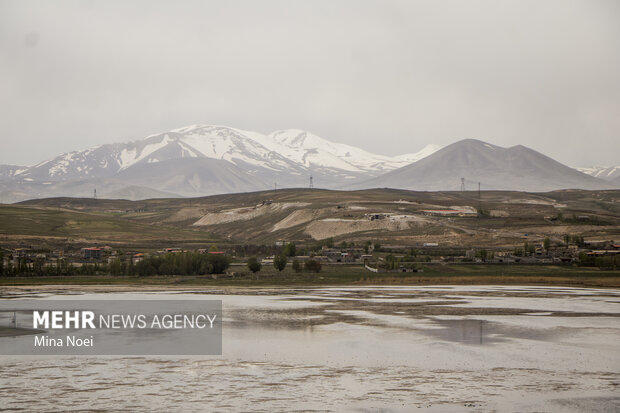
{"points": [[207, 159]]}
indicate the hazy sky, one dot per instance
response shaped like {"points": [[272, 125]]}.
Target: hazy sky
{"points": [[388, 76]]}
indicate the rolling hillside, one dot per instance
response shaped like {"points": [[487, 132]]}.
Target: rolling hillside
{"points": [[396, 217]]}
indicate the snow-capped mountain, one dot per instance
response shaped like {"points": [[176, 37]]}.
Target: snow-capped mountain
{"points": [[289, 150], [609, 173], [207, 159], [252, 161]]}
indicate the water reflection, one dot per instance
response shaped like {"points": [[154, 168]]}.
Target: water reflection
{"points": [[463, 331]]}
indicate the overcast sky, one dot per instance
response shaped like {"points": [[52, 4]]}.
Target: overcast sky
{"points": [[388, 76]]}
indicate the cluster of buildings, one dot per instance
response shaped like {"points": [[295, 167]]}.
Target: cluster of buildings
{"points": [[540, 255], [330, 255], [450, 212]]}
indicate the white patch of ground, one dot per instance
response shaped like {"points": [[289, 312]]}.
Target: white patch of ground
{"points": [[244, 214], [498, 213], [184, 214], [536, 202], [463, 208], [333, 227], [301, 216]]}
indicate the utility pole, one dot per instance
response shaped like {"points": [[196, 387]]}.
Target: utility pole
{"points": [[311, 183], [479, 198], [95, 193], [462, 184]]}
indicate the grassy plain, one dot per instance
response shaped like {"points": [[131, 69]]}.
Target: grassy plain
{"points": [[56, 226], [354, 275]]}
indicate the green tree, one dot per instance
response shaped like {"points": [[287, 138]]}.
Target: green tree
{"points": [[290, 250], [585, 259], [578, 240], [391, 262], [254, 265], [115, 267], [296, 266], [166, 269], [279, 262], [546, 243], [220, 263], [313, 266], [528, 248], [483, 254], [367, 245]]}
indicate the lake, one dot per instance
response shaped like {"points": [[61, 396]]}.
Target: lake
{"points": [[434, 348]]}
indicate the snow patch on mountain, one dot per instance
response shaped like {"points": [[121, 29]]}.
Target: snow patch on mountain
{"points": [[311, 150], [607, 173], [129, 157]]}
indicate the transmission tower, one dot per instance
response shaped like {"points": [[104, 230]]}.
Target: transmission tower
{"points": [[462, 184], [95, 193], [311, 183]]}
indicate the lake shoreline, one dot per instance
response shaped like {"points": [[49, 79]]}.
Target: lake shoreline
{"points": [[7, 291], [347, 275]]}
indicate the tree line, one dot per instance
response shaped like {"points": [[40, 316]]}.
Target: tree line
{"points": [[185, 263]]}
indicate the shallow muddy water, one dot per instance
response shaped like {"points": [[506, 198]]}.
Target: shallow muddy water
{"points": [[444, 348]]}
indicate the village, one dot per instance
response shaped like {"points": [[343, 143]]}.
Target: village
{"points": [[95, 259]]}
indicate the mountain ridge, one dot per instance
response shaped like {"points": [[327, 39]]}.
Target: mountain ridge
{"points": [[284, 158], [276, 151], [494, 167], [202, 159]]}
